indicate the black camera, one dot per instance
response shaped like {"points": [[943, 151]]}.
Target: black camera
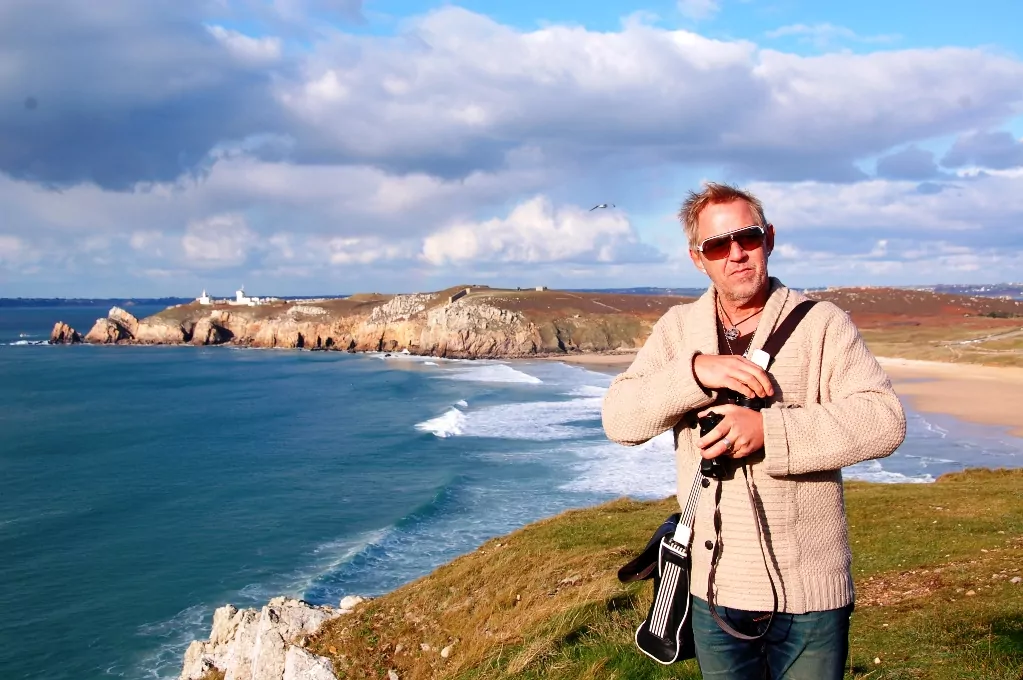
{"points": [[722, 467]]}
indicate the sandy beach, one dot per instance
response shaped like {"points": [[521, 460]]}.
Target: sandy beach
{"points": [[987, 395]]}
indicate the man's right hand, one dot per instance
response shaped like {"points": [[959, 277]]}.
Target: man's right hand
{"points": [[732, 372]]}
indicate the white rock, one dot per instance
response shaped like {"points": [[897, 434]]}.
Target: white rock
{"points": [[392, 674], [280, 622], [1015, 579], [238, 665], [301, 665], [349, 602], [425, 647], [225, 624], [446, 652], [202, 656], [198, 661]]}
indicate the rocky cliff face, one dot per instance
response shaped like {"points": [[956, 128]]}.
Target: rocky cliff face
{"points": [[266, 644], [485, 324], [64, 334]]}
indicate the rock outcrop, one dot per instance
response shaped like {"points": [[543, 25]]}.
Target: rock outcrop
{"points": [[474, 323], [208, 332], [156, 330], [125, 319], [266, 644], [107, 332], [118, 326], [64, 334]]}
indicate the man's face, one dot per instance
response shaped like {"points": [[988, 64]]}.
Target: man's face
{"points": [[740, 274]]}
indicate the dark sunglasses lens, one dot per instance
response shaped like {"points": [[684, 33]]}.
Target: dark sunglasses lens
{"points": [[749, 239], [716, 247]]}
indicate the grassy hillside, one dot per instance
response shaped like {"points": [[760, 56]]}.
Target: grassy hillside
{"points": [[933, 566]]}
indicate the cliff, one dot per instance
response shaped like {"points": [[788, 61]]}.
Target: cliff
{"points": [[480, 323]]}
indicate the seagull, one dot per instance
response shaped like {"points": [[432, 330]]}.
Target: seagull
{"points": [[602, 205]]}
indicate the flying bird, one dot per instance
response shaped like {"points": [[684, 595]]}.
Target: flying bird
{"points": [[602, 205]]}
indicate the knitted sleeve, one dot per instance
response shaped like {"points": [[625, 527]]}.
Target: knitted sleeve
{"points": [[656, 390], [861, 418]]}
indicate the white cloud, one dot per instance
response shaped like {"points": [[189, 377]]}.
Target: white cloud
{"points": [[699, 9], [367, 250], [536, 231], [266, 50], [219, 241], [464, 143], [825, 35], [459, 90], [992, 205]]}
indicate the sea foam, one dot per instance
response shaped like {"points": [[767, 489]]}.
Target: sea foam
{"points": [[495, 373], [450, 424]]}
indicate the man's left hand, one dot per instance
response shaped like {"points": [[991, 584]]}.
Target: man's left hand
{"points": [[743, 427]]}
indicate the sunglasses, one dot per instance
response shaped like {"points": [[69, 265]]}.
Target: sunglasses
{"points": [[717, 247]]}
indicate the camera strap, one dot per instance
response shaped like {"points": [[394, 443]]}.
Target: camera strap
{"points": [[773, 344]]}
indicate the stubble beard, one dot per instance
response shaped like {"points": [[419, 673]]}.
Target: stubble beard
{"points": [[746, 291]]}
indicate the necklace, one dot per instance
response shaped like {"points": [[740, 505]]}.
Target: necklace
{"points": [[733, 332]]}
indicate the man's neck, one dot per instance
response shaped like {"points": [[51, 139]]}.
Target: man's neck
{"points": [[737, 309]]}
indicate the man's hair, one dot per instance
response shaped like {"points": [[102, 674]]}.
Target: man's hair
{"points": [[712, 194]]}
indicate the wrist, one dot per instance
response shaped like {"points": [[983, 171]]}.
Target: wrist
{"points": [[696, 374]]}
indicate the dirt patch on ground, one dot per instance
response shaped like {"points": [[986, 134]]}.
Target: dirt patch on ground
{"points": [[952, 580]]}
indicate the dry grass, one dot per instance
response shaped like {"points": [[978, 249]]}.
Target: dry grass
{"points": [[544, 602]]}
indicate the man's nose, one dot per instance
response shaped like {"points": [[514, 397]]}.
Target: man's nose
{"points": [[735, 251]]}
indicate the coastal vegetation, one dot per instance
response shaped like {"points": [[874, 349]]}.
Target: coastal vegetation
{"points": [[938, 572]]}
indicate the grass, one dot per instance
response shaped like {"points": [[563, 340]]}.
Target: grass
{"points": [[544, 602], [963, 343]]}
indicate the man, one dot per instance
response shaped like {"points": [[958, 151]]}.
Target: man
{"points": [[831, 405]]}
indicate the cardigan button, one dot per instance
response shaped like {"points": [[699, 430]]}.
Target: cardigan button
{"points": [[709, 545]]}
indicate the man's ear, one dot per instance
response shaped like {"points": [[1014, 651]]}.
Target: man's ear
{"points": [[769, 238], [695, 257]]}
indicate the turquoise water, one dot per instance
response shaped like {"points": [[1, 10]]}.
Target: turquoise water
{"points": [[141, 487]]}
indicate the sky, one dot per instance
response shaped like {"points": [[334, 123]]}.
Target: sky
{"points": [[320, 147]]}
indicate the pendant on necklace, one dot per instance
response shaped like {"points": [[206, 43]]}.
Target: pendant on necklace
{"points": [[731, 333]]}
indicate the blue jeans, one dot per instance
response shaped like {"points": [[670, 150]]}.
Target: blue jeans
{"points": [[811, 646]]}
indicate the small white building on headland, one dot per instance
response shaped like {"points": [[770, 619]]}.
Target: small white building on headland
{"points": [[240, 298]]}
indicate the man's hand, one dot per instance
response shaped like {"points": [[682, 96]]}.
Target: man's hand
{"points": [[732, 372], [743, 427]]}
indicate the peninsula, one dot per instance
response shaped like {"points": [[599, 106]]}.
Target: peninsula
{"points": [[479, 322]]}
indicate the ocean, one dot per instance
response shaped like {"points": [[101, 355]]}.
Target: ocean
{"points": [[142, 487]]}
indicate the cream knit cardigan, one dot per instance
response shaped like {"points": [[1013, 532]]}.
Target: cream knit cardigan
{"points": [[833, 406]]}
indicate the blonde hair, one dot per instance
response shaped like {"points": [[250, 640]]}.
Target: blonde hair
{"points": [[712, 194]]}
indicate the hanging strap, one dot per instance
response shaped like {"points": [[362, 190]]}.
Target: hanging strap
{"points": [[717, 554], [784, 330], [772, 347]]}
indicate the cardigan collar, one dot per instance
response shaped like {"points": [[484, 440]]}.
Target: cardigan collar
{"points": [[704, 330]]}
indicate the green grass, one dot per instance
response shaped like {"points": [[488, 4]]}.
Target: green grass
{"points": [[544, 602]]}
